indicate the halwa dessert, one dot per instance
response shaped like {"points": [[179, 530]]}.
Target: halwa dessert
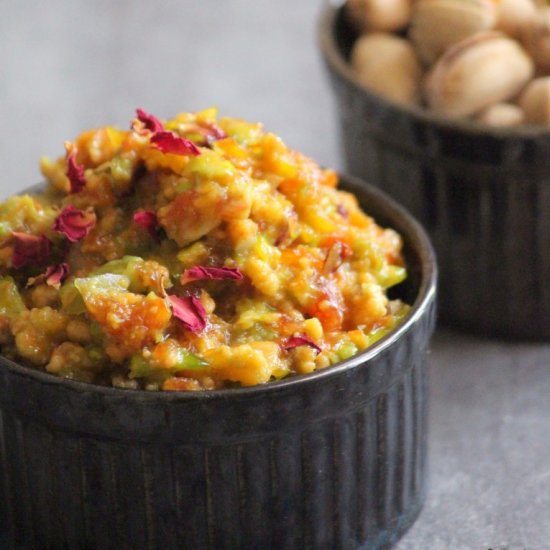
{"points": [[192, 254]]}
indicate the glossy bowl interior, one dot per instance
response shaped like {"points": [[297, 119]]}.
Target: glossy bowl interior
{"points": [[333, 459], [482, 194]]}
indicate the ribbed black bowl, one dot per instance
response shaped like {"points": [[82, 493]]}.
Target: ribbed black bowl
{"points": [[482, 194], [333, 459]]}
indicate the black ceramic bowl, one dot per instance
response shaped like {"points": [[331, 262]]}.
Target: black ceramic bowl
{"points": [[482, 194], [333, 459]]}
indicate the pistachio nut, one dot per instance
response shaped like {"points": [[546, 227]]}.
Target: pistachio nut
{"points": [[379, 15], [536, 38], [438, 24], [502, 114], [535, 101], [388, 65], [484, 69], [515, 16]]}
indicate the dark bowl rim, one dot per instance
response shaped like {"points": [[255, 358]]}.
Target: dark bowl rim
{"points": [[411, 232], [341, 67]]}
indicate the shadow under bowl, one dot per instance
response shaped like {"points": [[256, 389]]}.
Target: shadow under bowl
{"points": [[333, 459], [483, 195]]}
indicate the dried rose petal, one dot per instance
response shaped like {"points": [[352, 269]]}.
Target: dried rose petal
{"points": [[53, 276], [214, 131], [211, 132], [303, 340], [75, 172], [189, 311], [75, 224], [151, 123], [342, 210], [200, 273], [168, 142], [149, 221], [35, 249]]}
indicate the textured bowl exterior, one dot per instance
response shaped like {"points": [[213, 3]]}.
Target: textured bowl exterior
{"points": [[335, 459], [483, 196]]}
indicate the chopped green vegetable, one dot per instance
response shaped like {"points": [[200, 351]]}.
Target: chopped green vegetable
{"points": [[124, 266], [96, 354], [5, 230], [211, 166], [377, 334], [346, 350], [189, 361], [71, 299], [241, 131], [184, 186], [10, 300], [23, 211], [122, 169], [141, 367], [129, 267], [391, 275], [101, 285], [194, 254]]}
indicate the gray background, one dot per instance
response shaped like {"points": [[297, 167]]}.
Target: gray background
{"points": [[67, 66]]}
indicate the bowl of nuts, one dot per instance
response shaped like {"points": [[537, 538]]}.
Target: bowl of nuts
{"points": [[445, 104]]}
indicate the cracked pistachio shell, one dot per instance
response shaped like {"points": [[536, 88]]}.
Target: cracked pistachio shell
{"points": [[379, 15], [535, 101], [482, 70], [438, 24], [502, 115], [388, 65], [536, 38], [515, 16]]}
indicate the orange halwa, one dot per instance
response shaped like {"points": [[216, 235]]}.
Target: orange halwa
{"points": [[191, 254]]}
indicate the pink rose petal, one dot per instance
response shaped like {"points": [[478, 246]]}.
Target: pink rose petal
{"points": [[189, 311], [342, 210], [75, 172], [35, 249], [53, 276], [150, 122], [214, 131], [168, 142], [75, 224], [211, 132], [303, 340], [200, 273], [149, 221]]}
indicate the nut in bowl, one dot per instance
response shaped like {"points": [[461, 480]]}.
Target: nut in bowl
{"points": [[94, 455], [469, 160], [458, 59]]}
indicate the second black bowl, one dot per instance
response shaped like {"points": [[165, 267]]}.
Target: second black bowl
{"points": [[483, 195]]}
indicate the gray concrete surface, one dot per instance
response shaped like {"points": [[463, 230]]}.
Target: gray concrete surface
{"points": [[66, 66]]}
